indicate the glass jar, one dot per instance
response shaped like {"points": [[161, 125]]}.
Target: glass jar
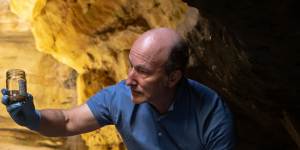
{"points": [[16, 85]]}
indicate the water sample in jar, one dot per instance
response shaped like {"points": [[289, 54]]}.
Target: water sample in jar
{"points": [[16, 85]]}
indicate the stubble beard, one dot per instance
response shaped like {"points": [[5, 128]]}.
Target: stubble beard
{"points": [[137, 97]]}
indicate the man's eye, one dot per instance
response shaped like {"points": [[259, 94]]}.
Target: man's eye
{"points": [[141, 71]]}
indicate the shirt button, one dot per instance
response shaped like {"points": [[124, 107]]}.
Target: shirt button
{"points": [[159, 134]]}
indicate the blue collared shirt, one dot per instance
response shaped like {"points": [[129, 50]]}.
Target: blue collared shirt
{"points": [[197, 120]]}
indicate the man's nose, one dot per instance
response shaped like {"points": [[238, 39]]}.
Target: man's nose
{"points": [[131, 79]]}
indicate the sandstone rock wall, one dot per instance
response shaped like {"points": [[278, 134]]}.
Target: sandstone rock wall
{"points": [[9, 22], [252, 58], [52, 84]]}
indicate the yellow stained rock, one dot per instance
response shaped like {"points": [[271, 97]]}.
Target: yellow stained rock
{"points": [[51, 83], [27, 9], [9, 22]]}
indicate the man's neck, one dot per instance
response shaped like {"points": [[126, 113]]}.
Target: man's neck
{"points": [[163, 103]]}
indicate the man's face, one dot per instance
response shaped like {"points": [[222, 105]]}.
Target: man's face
{"points": [[146, 78]]}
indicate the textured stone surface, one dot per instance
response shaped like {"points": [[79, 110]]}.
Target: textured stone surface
{"points": [[9, 22], [251, 56], [51, 83]]}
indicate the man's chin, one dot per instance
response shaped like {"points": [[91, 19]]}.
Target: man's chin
{"points": [[138, 99]]}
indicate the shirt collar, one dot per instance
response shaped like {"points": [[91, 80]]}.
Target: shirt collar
{"points": [[171, 108], [178, 94]]}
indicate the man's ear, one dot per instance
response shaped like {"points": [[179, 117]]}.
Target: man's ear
{"points": [[174, 78]]}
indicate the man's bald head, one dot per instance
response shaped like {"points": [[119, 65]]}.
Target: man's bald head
{"points": [[162, 46], [158, 58]]}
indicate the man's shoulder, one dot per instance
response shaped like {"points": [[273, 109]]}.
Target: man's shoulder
{"points": [[214, 115], [118, 87], [113, 93], [204, 97], [200, 88]]}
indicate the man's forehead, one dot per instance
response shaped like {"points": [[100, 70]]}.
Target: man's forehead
{"points": [[154, 53], [141, 57]]}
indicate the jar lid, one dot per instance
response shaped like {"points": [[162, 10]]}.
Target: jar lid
{"points": [[15, 72]]}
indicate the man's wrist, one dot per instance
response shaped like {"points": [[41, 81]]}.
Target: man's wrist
{"points": [[35, 122]]}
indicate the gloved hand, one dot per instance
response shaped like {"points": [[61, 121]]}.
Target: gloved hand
{"points": [[23, 113]]}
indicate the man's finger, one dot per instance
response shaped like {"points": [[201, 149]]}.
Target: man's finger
{"points": [[14, 107], [4, 91], [5, 99]]}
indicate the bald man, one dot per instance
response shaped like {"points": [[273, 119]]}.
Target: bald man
{"points": [[155, 108]]}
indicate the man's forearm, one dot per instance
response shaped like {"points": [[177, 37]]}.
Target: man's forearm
{"points": [[57, 122], [53, 123]]}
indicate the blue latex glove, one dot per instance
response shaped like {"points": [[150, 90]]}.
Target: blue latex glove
{"points": [[23, 113]]}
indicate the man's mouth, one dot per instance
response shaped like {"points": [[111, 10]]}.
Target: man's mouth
{"points": [[136, 93]]}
